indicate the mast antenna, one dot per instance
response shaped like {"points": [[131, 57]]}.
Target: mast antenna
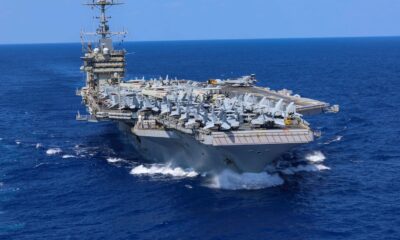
{"points": [[103, 29]]}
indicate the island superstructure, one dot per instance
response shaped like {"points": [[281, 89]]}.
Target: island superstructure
{"points": [[207, 126]]}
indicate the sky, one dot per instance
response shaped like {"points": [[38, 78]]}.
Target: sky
{"points": [[54, 21]]}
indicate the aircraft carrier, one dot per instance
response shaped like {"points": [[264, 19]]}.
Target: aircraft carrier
{"points": [[207, 126]]}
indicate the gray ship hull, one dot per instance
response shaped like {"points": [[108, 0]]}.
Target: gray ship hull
{"points": [[185, 151]]}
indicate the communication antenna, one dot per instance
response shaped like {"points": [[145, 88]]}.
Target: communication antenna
{"points": [[103, 30]]}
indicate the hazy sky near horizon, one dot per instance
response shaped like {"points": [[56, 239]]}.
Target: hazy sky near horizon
{"points": [[48, 21]]}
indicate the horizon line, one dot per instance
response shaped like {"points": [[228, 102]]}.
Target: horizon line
{"points": [[216, 39]]}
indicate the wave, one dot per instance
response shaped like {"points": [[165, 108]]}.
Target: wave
{"points": [[18, 142], [80, 151], [68, 156], [38, 145], [91, 151], [304, 168], [336, 139], [39, 165], [166, 170], [53, 151], [115, 160], [229, 180], [315, 157]]}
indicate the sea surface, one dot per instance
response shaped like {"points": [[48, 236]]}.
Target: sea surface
{"points": [[63, 179]]}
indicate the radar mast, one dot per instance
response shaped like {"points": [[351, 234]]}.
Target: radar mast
{"points": [[103, 30]]}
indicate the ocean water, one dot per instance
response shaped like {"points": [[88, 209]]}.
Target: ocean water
{"points": [[62, 179]]}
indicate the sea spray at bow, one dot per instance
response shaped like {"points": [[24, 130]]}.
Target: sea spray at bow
{"points": [[161, 169], [230, 180], [315, 157]]}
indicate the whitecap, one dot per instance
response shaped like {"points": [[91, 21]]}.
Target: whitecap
{"points": [[167, 170], [68, 156], [79, 150], [230, 180], [82, 151], [336, 139], [115, 160], [305, 168], [18, 142], [315, 157], [38, 145], [39, 164], [53, 151]]}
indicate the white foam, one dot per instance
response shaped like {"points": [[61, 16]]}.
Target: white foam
{"points": [[305, 168], [322, 167], [40, 164], [68, 156], [115, 160], [82, 151], [18, 142], [167, 170], [53, 151], [230, 180], [315, 157], [38, 145], [336, 139]]}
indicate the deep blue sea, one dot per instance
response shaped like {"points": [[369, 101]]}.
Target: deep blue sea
{"points": [[62, 179]]}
